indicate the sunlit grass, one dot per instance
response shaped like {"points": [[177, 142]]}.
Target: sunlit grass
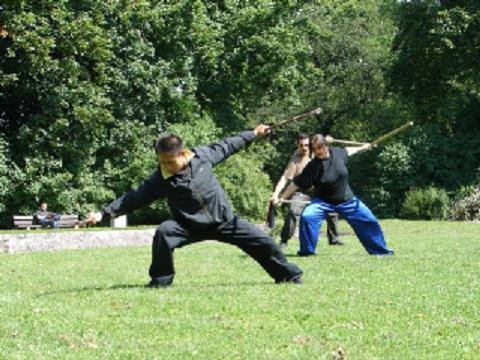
{"points": [[421, 303]]}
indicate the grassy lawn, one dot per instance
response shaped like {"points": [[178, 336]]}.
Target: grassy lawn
{"points": [[421, 303]]}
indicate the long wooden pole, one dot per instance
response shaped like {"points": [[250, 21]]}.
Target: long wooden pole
{"points": [[391, 133], [313, 112], [287, 201], [345, 142], [376, 141]]}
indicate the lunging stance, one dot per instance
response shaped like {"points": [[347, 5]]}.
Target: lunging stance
{"points": [[200, 208], [297, 163], [327, 173]]}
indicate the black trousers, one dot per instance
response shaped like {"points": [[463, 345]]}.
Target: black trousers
{"points": [[295, 210], [253, 241]]}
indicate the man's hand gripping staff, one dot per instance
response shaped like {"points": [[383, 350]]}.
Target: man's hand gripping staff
{"points": [[375, 142]]}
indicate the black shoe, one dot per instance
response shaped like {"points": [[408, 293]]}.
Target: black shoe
{"points": [[302, 254], [336, 242], [157, 283], [296, 279]]}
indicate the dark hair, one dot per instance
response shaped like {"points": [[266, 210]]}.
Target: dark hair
{"points": [[168, 144], [302, 136], [319, 139], [42, 202]]}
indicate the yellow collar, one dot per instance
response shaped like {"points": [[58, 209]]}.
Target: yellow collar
{"points": [[189, 154]]}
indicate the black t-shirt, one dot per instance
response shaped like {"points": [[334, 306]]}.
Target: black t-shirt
{"points": [[329, 177]]}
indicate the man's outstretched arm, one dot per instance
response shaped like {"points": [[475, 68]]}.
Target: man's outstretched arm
{"points": [[219, 151], [291, 188], [132, 200], [351, 150], [278, 189], [302, 182]]}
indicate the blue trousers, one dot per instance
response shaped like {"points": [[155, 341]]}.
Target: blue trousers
{"points": [[356, 213], [53, 221]]}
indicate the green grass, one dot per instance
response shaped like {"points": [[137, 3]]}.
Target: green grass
{"points": [[422, 303]]}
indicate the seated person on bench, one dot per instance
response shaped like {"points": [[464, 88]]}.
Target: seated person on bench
{"points": [[44, 217]]}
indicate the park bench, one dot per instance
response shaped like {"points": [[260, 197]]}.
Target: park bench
{"points": [[28, 222]]}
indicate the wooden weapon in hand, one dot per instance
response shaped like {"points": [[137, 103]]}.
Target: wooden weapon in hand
{"points": [[374, 142], [271, 213], [345, 142], [287, 201], [391, 133], [313, 112]]}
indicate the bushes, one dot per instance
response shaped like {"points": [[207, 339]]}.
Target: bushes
{"points": [[427, 155], [430, 203], [467, 208], [394, 165], [247, 186], [9, 177], [5, 177]]}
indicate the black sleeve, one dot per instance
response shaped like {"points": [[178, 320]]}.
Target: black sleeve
{"points": [[150, 190], [217, 152], [305, 180]]}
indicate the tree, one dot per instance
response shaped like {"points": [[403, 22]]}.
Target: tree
{"points": [[438, 47], [437, 71], [85, 86]]}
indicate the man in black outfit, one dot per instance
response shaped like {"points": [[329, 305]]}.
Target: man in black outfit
{"points": [[295, 166], [328, 174], [200, 208]]}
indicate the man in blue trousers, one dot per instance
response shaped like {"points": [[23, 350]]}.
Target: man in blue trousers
{"points": [[327, 173]]}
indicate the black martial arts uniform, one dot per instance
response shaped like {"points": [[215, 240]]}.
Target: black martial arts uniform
{"points": [[201, 211]]}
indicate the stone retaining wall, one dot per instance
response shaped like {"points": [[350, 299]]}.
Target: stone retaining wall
{"points": [[75, 239]]}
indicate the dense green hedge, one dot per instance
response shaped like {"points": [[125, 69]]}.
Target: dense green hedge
{"points": [[429, 203]]}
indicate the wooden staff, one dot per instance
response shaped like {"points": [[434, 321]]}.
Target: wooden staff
{"points": [[272, 214], [343, 142], [391, 133], [316, 111], [286, 201]]}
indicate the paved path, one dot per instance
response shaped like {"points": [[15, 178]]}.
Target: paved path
{"points": [[73, 239]]}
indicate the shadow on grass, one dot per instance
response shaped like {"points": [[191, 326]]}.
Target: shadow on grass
{"points": [[144, 286], [93, 288], [319, 254]]}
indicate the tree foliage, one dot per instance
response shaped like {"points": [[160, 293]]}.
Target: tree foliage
{"points": [[438, 47], [86, 87], [429, 203]]}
